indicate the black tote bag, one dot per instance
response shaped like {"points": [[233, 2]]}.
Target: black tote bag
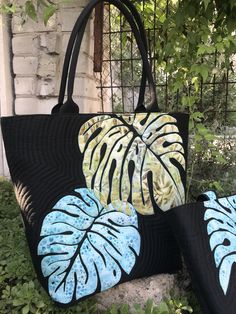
{"points": [[206, 233], [93, 187]]}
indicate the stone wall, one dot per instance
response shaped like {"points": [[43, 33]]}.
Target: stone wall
{"points": [[38, 55]]}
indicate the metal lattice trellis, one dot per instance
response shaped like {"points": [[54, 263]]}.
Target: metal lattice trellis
{"points": [[120, 68]]}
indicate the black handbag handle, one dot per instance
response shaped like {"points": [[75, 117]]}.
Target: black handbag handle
{"points": [[77, 44], [83, 19], [70, 106]]}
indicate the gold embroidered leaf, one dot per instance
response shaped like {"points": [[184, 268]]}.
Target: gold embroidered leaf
{"points": [[136, 158]]}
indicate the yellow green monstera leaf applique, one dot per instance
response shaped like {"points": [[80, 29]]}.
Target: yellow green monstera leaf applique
{"points": [[136, 158]]}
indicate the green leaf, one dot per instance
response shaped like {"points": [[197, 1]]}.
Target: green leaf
{"points": [[201, 50], [196, 68], [40, 304], [124, 309], [227, 42], [204, 73], [12, 8], [205, 37], [8, 8], [162, 18], [163, 308], [177, 85], [202, 69], [25, 309], [113, 309], [138, 309], [149, 307], [202, 129], [220, 47], [216, 185], [30, 10], [209, 137], [31, 284], [18, 302], [195, 82], [204, 49], [48, 12], [197, 116], [206, 3]]}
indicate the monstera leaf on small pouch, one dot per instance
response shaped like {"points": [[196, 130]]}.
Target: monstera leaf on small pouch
{"points": [[221, 227], [85, 247], [137, 158]]}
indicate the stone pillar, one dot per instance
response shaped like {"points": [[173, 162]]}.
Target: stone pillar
{"points": [[6, 86], [38, 59]]}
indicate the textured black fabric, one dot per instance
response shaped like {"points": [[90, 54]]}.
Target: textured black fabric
{"points": [[205, 231], [46, 164]]}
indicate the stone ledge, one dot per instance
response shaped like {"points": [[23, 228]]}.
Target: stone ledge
{"points": [[138, 291]]}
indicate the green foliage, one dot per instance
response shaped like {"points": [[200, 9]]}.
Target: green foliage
{"points": [[20, 291], [48, 12], [33, 9], [192, 50], [6, 194], [30, 10], [173, 305], [7, 8], [214, 167]]}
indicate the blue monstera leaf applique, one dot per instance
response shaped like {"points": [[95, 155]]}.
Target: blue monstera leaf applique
{"points": [[221, 217], [85, 247]]}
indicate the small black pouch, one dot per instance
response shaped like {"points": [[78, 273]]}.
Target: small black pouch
{"points": [[206, 233]]}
